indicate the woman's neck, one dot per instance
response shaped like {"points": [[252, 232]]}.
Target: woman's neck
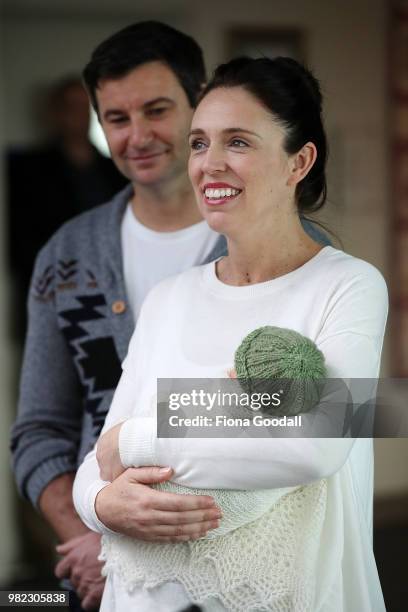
{"points": [[267, 254]]}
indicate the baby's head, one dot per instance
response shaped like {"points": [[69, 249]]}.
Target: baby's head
{"points": [[274, 360]]}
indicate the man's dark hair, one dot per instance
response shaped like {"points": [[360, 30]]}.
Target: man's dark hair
{"points": [[143, 42]]}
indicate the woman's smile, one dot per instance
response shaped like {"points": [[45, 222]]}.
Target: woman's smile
{"points": [[215, 194]]}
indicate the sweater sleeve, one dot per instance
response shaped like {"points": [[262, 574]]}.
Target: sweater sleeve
{"points": [[46, 434], [351, 340]]}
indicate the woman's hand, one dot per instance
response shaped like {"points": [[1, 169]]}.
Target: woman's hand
{"points": [[107, 454], [130, 506]]}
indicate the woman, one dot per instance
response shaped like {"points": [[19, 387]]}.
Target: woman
{"points": [[258, 153]]}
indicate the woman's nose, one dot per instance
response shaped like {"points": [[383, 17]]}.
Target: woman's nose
{"points": [[214, 161]]}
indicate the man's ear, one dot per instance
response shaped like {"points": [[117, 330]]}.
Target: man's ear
{"points": [[301, 163]]}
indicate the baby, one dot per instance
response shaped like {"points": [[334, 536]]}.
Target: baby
{"points": [[268, 359], [271, 358]]}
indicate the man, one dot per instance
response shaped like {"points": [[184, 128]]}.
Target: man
{"points": [[88, 285]]}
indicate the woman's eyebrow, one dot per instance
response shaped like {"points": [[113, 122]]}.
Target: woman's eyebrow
{"points": [[227, 131], [195, 131], [241, 130]]}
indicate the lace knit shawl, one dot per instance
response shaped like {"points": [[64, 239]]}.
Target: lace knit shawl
{"points": [[266, 563]]}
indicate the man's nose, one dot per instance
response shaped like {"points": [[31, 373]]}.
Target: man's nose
{"points": [[141, 134]]}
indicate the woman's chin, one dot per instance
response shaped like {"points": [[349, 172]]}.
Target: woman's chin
{"points": [[219, 221]]}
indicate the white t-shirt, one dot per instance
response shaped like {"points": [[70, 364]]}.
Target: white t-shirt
{"points": [[149, 256], [337, 301]]}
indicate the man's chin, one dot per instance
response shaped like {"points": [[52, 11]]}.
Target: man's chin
{"points": [[147, 178], [153, 172]]}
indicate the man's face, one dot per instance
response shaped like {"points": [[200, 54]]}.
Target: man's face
{"points": [[146, 117]]}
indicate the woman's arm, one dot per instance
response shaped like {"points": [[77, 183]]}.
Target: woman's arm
{"points": [[351, 341], [88, 482], [129, 505]]}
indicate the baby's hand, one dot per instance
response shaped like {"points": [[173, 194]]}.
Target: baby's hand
{"points": [[232, 373]]}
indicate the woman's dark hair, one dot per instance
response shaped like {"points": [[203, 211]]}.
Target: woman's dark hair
{"points": [[143, 42], [292, 95]]}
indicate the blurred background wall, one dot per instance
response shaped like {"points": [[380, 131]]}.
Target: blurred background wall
{"points": [[346, 42]]}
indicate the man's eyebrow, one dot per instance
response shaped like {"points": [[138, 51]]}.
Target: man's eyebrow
{"points": [[112, 112], [115, 112], [158, 100], [231, 130]]}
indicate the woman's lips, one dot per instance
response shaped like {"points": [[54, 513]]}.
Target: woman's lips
{"points": [[217, 202], [214, 196]]}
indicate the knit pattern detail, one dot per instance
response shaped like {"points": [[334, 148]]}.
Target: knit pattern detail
{"points": [[238, 507], [274, 359], [269, 564]]}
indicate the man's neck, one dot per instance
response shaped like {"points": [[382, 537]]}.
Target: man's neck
{"points": [[164, 209]]}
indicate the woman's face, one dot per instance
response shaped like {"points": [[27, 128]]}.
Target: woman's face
{"points": [[238, 167]]}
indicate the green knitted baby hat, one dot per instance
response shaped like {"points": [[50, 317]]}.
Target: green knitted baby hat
{"points": [[273, 359]]}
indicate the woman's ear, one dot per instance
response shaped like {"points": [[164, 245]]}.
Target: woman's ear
{"points": [[301, 163]]}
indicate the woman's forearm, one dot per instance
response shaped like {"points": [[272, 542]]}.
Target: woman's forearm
{"points": [[233, 463]]}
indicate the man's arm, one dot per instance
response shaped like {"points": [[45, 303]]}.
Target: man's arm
{"points": [[80, 548], [46, 434], [57, 507], [45, 437]]}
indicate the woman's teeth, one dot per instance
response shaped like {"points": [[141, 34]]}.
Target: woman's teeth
{"points": [[217, 194]]}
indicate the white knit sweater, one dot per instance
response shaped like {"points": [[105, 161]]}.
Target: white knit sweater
{"points": [[190, 326]]}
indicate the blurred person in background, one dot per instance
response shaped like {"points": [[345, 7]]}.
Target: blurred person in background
{"points": [[53, 181], [89, 283]]}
